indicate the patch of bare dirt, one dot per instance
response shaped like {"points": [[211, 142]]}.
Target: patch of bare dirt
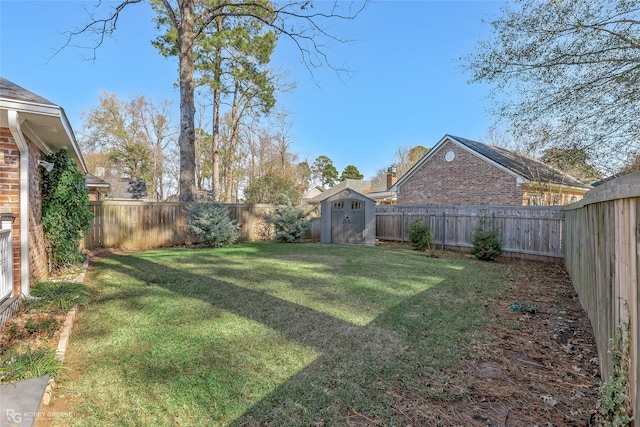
{"points": [[539, 368], [30, 329]]}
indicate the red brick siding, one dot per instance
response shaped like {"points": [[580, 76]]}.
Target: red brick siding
{"points": [[467, 180], [10, 202]]}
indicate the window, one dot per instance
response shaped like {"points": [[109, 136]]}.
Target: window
{"points": [[356, 205], [338, 205], [535, 199]]}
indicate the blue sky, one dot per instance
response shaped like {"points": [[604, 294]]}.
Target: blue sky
{"points": [[405, 87]]}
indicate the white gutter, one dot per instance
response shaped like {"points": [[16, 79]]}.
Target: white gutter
{"points": [[21, 142]]}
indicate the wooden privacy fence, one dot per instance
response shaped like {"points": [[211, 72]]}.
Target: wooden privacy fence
{"points": [[529, 231], [602, 256], [135, 224]]}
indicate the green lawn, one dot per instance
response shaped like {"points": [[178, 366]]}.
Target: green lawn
{"points": [[278, 334]]}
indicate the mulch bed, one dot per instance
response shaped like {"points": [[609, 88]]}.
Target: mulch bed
{"points": [[539, 369]]}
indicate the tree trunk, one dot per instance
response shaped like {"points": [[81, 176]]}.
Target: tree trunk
{"points": [[187, 137], [215, 144], [215, 138], [233, 146]]}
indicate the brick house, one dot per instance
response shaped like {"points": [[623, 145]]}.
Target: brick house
{"points": [[30, 128], [459, 171], [98, 188]]}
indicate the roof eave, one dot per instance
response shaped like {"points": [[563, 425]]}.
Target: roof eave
{"points": [[50, 110]]}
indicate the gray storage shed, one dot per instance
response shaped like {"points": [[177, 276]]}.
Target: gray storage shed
{"points": [[348, 217]]}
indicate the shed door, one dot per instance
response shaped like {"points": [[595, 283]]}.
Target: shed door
{"points": [[347, 221]]}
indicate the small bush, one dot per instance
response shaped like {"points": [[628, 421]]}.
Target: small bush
{"points": [[30, 364], [211, 223], [486, 243], [291, 222], [420, 235], [58, 296]]}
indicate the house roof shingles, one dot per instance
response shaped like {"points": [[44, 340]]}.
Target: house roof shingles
{"points": [[10, 90], [531, 169], [523, 166]]}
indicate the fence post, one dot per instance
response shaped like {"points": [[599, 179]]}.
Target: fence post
{"points": [[493, 221], [444, 228], [402, 228]]}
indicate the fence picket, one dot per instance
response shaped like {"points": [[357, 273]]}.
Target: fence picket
{"points": [[602, 255], [534, 231]]}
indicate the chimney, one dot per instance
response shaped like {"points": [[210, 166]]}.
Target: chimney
{"points": [[391, 176]]}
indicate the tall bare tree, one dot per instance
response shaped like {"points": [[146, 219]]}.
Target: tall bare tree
{"points": [[570, 67], [299, 21]]}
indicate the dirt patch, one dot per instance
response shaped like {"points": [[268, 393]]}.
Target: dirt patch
{"points": [[30, 329], [539, 367]]}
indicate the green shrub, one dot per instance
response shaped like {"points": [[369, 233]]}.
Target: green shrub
{"points": [[211, 223], [65, 210], [58, 296], [420, 235], [290, 222], [486, 243], [29, 364]]}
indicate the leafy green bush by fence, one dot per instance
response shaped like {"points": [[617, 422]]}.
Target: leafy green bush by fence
{"points": [[291, 222], [420, 235], [486, 242], [212, 224], [65, 210]]}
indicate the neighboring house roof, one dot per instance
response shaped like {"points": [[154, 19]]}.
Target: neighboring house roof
{"points": [[382, 196], [609, 178], [519, 165], [44, 122], [315, 191], [100, 185], [130, 189], [358, 185]]}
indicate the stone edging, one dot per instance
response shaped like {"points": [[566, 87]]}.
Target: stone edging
{"points": [[64, 338]]}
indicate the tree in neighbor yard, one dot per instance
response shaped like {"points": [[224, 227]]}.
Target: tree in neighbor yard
{"points": [[571, 66], [270, 172], [130, 139], [230, 60], [404, 159], [299, 21], [573, 161], [324, 171], [351, 172]]}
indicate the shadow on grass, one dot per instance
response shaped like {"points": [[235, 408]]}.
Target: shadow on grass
{"points": [[358, 366]]}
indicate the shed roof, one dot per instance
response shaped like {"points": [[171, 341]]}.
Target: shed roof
{"points": [[359, 185], [348, 193], [525, 167]]}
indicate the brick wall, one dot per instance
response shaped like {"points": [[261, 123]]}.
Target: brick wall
{"points": [[10, 202], [466, 180]]}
